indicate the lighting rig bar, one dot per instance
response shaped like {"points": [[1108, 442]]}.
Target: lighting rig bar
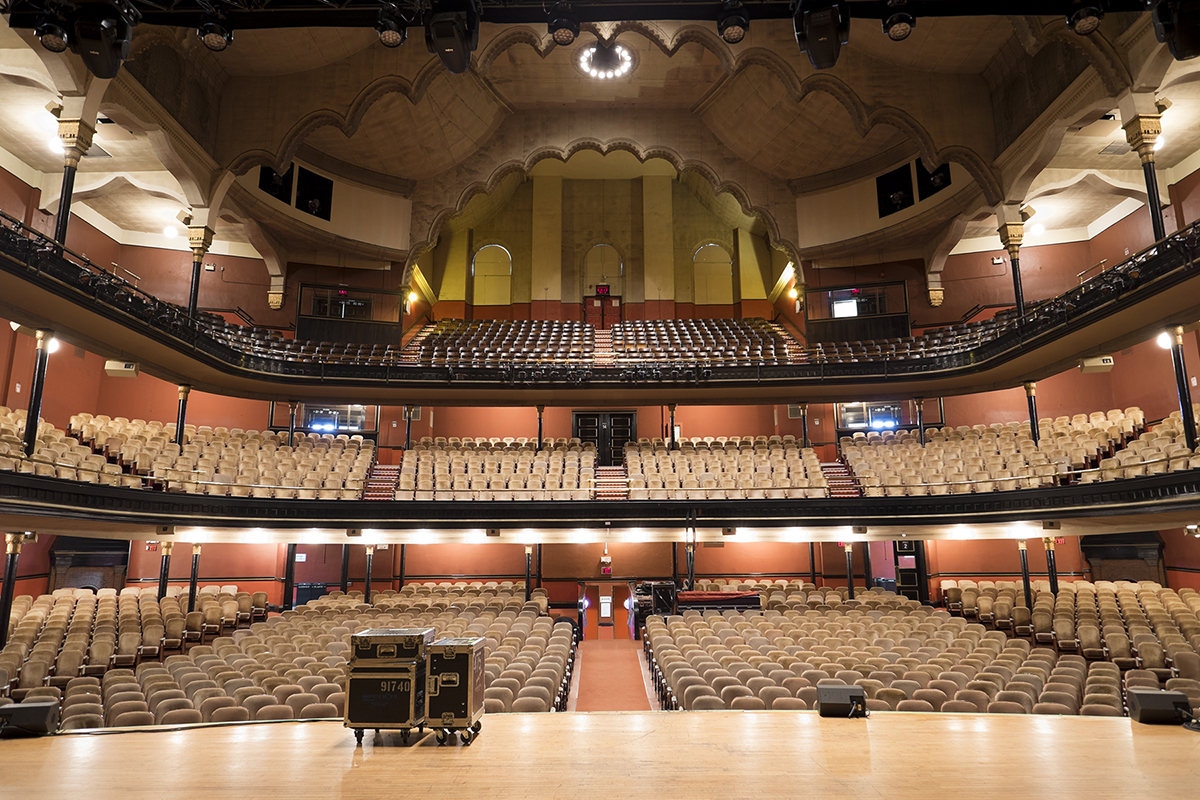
{"points": [[260, 14]]}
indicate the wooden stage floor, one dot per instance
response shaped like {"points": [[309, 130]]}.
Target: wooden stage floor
{"points": [[722, 754]]}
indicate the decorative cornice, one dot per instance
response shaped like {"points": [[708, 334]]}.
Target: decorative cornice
{"points": [[353, 173]]}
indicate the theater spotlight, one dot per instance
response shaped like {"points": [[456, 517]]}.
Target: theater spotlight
{"points": [[822, 27], [1177, 24], [452, 32], [1084, 17], [215, 33], [392, 27], [899, 25], [102, 36], [562, 25], [52, 33], [732, 21]]}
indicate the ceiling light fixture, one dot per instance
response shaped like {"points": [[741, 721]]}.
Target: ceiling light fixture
{"points": [[170, 232], [1085, 18], [102, 35], [55, 144], [52, 345], [733, 21], [1159, 143], [1164, 340], [562, 25], [1037, 229], [605, 62], [215, 33], [452, 32], [821, 27], [392, 27]]}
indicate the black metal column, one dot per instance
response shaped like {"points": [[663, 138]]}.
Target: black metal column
{"points": [[528, 572], [675, 563], [164, 569], [541, 410], [408, 427], [671, 439], [1182, 388], [867, 565], [181, 418], [812, 562], [344, 584], [64, 205], [194, 293], [920, 401], [403, 556], [33, 415], [539, 566], [1051, 568], [1156, 215], [367, 580], [12, 551], [804, 425], [291, 423], [192, 580], [1018, 295], [289, 579], [850, 570], [1025, 574], [1031, 399], [690, 554]]}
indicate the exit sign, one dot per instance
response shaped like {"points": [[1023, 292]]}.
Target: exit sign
{"points": [[606, 570], [1060, 540]]}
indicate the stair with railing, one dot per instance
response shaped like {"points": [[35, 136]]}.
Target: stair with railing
{"points": [[611, 483], [381, 483], [841, 482]]}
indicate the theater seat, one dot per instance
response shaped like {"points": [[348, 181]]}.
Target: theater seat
{"points": [[274, 711], [708, 702], [319, 711], [788, 704], [1087, 710], [181, 716], [959, 707], [230, 714]]}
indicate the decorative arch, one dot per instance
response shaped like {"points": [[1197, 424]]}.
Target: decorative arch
{"points": [[712, 278], [491, 279]]}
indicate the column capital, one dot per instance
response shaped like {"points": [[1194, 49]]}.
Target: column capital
{"points": [[1142, 132], [1031, 389], [13, 542], [167, 547], [196, 549], [184, 391], [1048, 542], [1011, 234], [200, 238], [937, 295], [1020, 544], [75, 135]]}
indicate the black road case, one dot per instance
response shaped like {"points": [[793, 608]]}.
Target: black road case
{"points": [[454, 687], [386, 698], [384, 646]]}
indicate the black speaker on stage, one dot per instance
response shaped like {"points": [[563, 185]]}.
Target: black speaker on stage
{"points": [[1154, 707], [841, 701], [28, 719]]}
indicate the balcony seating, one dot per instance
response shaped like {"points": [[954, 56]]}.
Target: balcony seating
{"points": [[499, 343], [725, 469], [703, 342], [496, 469]]}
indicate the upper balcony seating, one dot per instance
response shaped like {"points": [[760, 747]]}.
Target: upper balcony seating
{"points": [[498, 343], [705, 342], [724, 468], [497, 469]]}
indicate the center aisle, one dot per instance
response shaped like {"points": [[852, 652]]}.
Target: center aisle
{"points": [[610, 677]]}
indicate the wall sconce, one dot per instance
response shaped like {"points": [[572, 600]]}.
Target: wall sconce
{"points": [[408, 301], [795, 295]]}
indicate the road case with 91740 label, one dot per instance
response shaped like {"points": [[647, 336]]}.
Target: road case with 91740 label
{"points": [[454, 687], [386, 698]]}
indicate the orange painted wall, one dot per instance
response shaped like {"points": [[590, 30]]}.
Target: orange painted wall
{"points": [[252, 567], [1181, 556], [999, 559], [441, 562], [33, 567]]}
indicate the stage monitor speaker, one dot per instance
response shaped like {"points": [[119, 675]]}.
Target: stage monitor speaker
{"points": [[36, 718], [841, 701], [1154, 707]]}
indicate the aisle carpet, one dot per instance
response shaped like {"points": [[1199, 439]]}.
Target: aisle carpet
{"points": [[610, 677]]}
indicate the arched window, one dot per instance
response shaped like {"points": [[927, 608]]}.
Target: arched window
{"points": [[603, 264], [491, 270], [712, 270]]}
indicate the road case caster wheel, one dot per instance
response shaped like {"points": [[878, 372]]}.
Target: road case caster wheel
{"points": [[358, 734], [442, 737]]}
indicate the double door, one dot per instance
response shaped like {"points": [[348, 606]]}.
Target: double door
{"points": [[608, 430], [602, 311]]}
